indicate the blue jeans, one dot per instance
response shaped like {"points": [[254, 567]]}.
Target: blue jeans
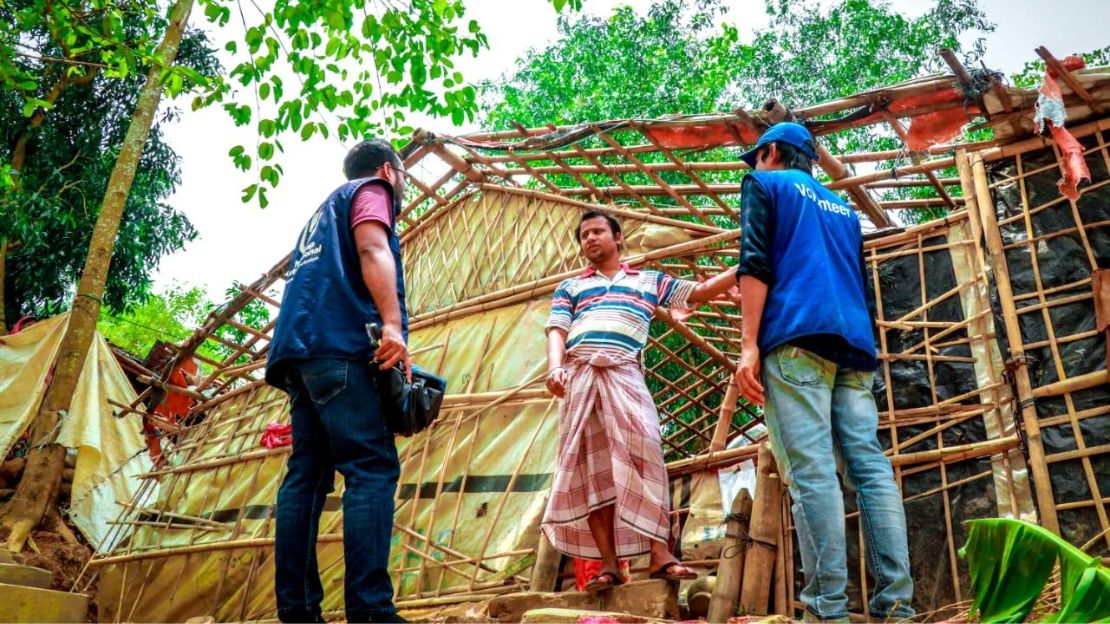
{"points": [[815, 413], [337, 425]]}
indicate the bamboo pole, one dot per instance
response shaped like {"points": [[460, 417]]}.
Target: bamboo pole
{"points": [[837, 171], [218, 462], [1069, 79], [724, 418], [1073, 384], [886, 174], [759, 561], [695, 339], [707, 461], [730, 569], [1037, 464], [545, 572], [778, 594], [169, 387], [231, 394], [1035, 143]]}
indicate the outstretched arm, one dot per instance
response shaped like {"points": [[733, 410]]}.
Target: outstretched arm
{"points": [[713, 287]]}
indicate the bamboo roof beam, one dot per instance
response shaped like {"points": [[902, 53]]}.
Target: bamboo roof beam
{"points": [[218, 318], [900, 130], [695, 338], [614, 210], [688, 172], [957, 68], [615, 178], [1069, 79]]}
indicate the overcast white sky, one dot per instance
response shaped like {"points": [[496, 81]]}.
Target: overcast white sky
{"points": [[239, 241]]}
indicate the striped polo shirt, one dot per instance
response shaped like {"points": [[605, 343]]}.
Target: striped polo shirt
{"points": [[602, 314]]}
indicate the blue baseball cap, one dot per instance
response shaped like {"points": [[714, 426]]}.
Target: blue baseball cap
{"points": [[788, 132]]}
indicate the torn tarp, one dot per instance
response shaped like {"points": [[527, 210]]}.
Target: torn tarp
{"points": [[1052, 114]]}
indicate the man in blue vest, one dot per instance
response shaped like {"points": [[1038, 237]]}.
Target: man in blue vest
{"points": [[808, 356], [344, 272]]}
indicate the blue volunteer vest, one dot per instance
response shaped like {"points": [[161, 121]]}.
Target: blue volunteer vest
{"points": [[818, 287], [326, 305]]}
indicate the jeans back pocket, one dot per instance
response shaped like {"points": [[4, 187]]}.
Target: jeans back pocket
{"points": [[800, 367], [324, 379]]}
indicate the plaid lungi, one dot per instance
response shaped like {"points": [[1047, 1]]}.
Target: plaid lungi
{"points": [[610, 453]]}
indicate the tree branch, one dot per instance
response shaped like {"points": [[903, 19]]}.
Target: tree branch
{"points": [[52, 59]]}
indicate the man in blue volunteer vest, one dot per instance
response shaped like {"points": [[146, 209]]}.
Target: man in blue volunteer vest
{"points": [[344, 272], [808, 356]]}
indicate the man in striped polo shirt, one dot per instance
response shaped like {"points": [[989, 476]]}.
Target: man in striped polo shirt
{"points": [[609, 498]]}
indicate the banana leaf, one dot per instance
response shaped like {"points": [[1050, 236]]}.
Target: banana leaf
{"points": [[1009, 563]]}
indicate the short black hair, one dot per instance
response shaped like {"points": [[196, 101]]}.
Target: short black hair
{"points": [[790, 156], [367, 157], [614, 225]]}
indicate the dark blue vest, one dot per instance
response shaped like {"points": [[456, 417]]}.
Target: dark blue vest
{"points": [[326, 305], [818, 287]]}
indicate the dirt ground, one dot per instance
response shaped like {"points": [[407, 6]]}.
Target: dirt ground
{"points": [[63, 559]]}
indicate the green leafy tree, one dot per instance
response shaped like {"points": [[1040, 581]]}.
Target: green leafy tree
{"points": [[679, 58], [65, 169], [359, 68], [811, 53], [170, 315], [674, 59], [61, 122]]}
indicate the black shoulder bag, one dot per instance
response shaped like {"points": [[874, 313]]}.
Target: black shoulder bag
{"points": [[408, 407]]}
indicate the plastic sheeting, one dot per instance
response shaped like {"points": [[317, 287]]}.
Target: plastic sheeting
{"points": [[110, 450], [1063, 263]]}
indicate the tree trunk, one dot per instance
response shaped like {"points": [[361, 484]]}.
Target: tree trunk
{"points": [[38, 489]]}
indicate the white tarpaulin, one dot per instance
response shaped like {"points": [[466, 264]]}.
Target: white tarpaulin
{"points": [[110, 450]]}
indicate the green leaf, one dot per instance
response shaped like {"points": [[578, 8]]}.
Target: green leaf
{"points": [[33, 104], [1009, 561], [265, 150]]}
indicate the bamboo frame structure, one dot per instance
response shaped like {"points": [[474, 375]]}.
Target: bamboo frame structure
{"points": [[488, 233]]}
